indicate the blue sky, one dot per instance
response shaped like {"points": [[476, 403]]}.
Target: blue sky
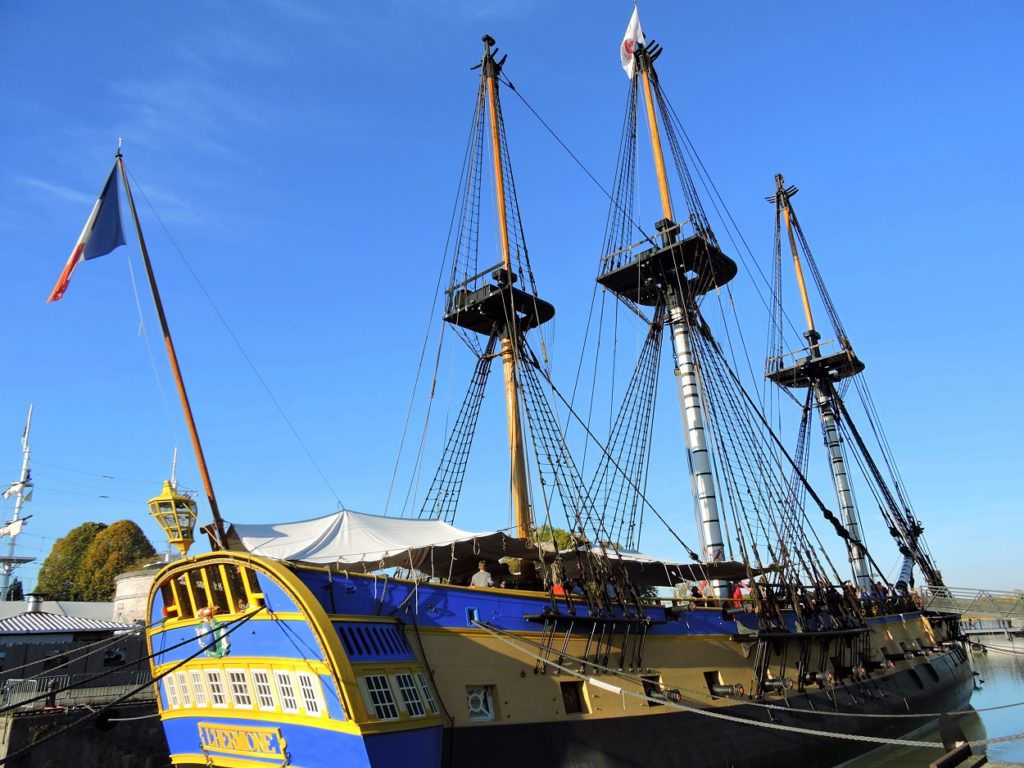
{"points": [[304, 157]]}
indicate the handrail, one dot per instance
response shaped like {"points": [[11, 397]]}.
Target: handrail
{"points": [[995, 602], [472, 279]]}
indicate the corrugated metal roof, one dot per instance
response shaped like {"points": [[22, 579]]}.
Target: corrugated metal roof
{"points": [[100, 611], [51, 623]]}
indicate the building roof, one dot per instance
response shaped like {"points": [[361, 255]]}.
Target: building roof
{"points": [[53, 623], [100, 611]]}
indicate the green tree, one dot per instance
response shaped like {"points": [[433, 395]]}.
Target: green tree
{"points": [[60, 570], [114, 550], [546, 534], [16, 591]]}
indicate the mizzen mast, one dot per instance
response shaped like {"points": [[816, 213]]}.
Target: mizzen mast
{"points": [[820, 373]]}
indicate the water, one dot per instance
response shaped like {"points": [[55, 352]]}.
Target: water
{"points": [[1002, 669]]}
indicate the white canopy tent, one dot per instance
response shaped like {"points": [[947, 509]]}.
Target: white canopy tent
{"points": [[356, 541], [360, 542]]}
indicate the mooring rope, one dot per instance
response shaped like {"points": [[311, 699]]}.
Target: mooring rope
{"points": [[501, 635], [784, 708], [996, 648], [132, 719], [213, 632]]}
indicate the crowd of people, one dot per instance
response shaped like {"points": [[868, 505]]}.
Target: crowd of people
{"points": [[822, 606], [529, 578], [878, 599], [500, 576]]}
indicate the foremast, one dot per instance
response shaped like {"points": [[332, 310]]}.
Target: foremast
{"points": [[672, 274], [820, 373], [488, 303], [522, 511]]}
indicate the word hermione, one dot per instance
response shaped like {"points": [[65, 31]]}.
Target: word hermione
{"points": [[240, 740]]}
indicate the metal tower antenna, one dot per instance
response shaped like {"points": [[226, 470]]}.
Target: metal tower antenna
{"points": [[21, 489]]}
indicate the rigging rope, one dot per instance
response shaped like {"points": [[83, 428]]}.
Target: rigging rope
{"points": [[100, 675], [629, 441], [441, 502], [426, 336], [74, 655], [590, 435], [227, 629], [238, 345]]}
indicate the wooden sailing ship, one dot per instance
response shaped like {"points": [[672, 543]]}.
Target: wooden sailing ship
{"points": [[291, 645]]}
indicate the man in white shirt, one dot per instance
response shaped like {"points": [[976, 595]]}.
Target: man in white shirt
{"points": [[482, 578]]}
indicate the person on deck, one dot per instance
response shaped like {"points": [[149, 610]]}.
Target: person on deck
{"points": [[528, 576], [737, 595], [558, 588], [482, 578]]}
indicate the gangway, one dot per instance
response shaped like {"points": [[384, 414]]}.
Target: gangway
{"points": [[1006, 605]]}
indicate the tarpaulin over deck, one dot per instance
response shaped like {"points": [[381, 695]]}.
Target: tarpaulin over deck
{"points": [[356, 541], [648, 571], [360, 542]]}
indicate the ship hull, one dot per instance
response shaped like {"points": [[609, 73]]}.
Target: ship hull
{"points": [[675, 739], [330, 669], [690, 740]]}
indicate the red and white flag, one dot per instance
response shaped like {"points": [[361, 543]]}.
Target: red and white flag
{"points": [[634, 37]]}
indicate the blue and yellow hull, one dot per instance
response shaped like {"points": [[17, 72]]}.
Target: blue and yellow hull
{"points": [[266, 663]]}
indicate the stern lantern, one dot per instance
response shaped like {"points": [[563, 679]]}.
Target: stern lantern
{"points": [[176, 514]]}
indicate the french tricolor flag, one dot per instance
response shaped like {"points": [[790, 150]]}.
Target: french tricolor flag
{"points": [[102, 233]]}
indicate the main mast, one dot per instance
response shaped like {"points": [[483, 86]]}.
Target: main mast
{"points": [[673, 273], [488, 303], [821, 373]]}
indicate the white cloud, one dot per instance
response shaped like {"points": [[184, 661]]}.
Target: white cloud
{"points": [[186, 110], [57, 191]]}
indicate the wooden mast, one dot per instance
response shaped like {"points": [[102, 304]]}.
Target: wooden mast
{"points": [[659, 156], [521, 510], [780, 187], [218, 522], [822, 380]]}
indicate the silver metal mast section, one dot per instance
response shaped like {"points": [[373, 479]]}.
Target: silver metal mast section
{"points": [[21, 489], [691, 401], [841, 480]]}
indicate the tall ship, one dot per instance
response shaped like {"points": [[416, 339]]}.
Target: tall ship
{"points": [[363, 640]]}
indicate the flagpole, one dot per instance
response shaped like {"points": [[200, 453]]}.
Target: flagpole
{"points": [[179, 382]]}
